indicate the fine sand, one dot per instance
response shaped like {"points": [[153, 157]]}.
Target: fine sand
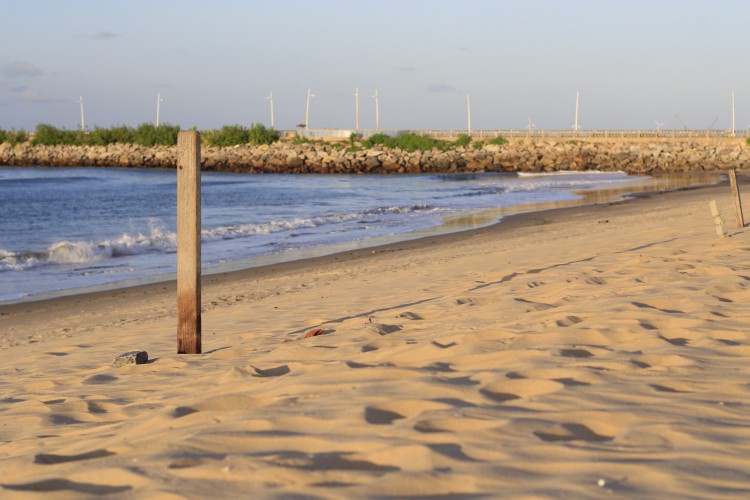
{"points": [[590, 352]]}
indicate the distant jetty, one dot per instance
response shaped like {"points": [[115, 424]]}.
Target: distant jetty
{"points": [[519, 155]]}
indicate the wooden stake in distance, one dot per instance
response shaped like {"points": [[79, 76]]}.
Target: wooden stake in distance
{"points": [[188, 242], [737, 199], [718, 220]]}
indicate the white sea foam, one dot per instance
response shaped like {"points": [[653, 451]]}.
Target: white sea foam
{"points": [[160, 240], [277, 226]]}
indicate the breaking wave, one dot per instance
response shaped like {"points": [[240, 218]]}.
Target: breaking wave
{"points": [[160, 240]]}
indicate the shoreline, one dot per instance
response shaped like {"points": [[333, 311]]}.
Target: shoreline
{"points": [[461, 222], [15, 314]]}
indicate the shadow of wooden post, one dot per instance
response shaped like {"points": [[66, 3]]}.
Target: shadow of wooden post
{"points": [[188, 242], [737, 199]]}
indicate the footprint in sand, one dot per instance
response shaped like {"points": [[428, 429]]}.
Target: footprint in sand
{"points": [[272, 372], [595, 280], [642, 305], [387, 413], [382, 328], [536, 306], [575, 353], [677, 341], [664, 388], [51, 485], [50, 459], [520, 388], [410, 315], [566, 376], [568, 321], [467, 301], [573, 432], [223, 404], [100, 379], [456, 424]]}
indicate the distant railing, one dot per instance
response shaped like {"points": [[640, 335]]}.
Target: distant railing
{"points": [[521, 133], [607, 134]]}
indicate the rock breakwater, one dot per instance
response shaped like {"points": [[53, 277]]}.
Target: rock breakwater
{"points": [[323, 158]]}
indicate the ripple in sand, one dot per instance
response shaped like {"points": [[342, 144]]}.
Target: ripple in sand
{"points": [[100, 379], [456, 424], [378, 416], [511, 389], [332, 461], [388, 412], [573, 432], [51, 459], [576, 353], [50, 485], [272, 372]]}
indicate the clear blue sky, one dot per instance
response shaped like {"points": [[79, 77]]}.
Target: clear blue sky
{"points": [[634, 62]]}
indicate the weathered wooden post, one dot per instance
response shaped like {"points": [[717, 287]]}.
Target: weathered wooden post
{"points": [[188, 242], [737, 199]]}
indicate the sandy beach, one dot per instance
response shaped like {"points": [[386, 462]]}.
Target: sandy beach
{"points": [[588, 352]]}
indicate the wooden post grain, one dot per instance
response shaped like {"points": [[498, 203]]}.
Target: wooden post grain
{"points": [[737, 199], [188, 242]]}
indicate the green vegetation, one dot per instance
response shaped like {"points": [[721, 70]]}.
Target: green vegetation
{"points": [[149, 135], [299, 140], [228, 135], [145, 135], [259, 134], [462, 140], [412, 142], [164, 135], [103, 136], [747, 141], [13, 137], [47, 135]]}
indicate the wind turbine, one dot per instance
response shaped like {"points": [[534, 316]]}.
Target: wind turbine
{"points": [[529, 127], [733, 113], [83, 123], [307, 109], [659, 125], [576, 127], [681, 123], [270, 99], [377, 111], [158, 107], [356, 109]]}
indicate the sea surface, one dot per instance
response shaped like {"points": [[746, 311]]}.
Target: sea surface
{"points": [[66, 230]]}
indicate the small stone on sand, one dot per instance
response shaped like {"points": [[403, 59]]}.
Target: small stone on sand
{"points": [[314, 333], [131, 358]]}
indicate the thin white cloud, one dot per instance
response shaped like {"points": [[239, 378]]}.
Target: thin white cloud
{"points": [[18, 69], [32, 95], [104, 35], [440, 87], [12, 87]]}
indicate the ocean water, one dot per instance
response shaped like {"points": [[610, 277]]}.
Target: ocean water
{"points": [[64, 229]]}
